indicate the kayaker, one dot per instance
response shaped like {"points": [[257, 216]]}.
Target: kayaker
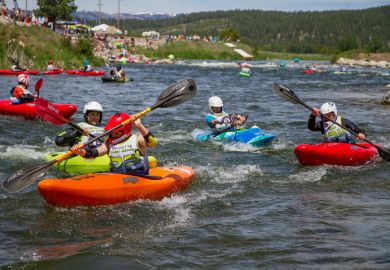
{"points": [[19, 94], [51, 66], [120, 73], [87, 66], [127, 151], [93, 114], [218, 120], [386, 99], [342, 69], [17, 68], [331, 131]]}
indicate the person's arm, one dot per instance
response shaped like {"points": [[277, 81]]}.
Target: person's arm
{"points": [[360, 132], [91, 153], [146, 138], [312, 124], [68, 137]]}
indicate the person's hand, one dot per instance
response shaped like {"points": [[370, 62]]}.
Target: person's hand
{"points": [[138, 123], [361, 136], [76, 149], [315, 112], [85, 131]]}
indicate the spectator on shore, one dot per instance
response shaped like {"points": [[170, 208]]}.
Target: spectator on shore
{"points": [[4, 10]]}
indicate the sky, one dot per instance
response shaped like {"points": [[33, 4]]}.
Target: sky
{"points": [[188, 6]]}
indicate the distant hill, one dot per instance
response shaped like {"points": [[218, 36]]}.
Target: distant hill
{"points": [[93, 16], [301, 32]]}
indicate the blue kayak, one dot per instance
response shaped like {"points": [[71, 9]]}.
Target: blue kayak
{"points": [[253, 136]]}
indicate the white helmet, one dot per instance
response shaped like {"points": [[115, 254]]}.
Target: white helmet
{"points": [[94, 107], [215, 101], [328, 107], [23, 78]]}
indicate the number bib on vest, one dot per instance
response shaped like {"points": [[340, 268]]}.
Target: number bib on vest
{"points": [[334, 133], [125, 157]]}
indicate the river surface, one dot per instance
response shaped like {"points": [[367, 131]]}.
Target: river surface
{"points": [[247, 208]]}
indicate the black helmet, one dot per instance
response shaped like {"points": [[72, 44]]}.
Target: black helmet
{"points": [[118, 67]]}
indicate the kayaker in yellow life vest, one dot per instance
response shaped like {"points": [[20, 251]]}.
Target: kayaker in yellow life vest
{"points": [[127, 151], [218, 120], [19, 94], [93, 114], [331, 131]]}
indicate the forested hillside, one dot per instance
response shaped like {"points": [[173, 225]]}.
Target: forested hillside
{"points": [[323, 32]]}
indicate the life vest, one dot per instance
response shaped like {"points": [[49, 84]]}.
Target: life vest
{"points": [[94, 130], [222, 118], [17, 99], [334, 133], [125, 157]]}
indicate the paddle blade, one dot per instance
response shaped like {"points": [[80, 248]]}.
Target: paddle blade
{"points": [[48, 112], [286, 93], [177, 93], [383, 153], [38, 85], [25, 177]]}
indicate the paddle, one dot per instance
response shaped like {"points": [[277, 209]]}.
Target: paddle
{"points": [[38, 86], [175, 94], [48, 112], [291, 97]]}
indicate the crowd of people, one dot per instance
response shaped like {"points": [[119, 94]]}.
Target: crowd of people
{"points": [[20, 16]]}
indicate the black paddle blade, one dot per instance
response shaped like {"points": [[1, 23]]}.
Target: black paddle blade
{"points": [[25, 177], [383, 153], [286, 93], [177, 93]]}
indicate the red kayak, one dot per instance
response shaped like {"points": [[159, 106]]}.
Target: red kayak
{"points": [[342, 154], [83, 73], [308, 71], [10, 72], [53, 72], [28, 111]]}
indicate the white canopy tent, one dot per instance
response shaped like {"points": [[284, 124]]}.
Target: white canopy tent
{"points": [[102, 28]]}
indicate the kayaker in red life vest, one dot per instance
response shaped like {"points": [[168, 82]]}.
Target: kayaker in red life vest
{"points": [[93, 115], [127, 151], [330, 131], [19, 94]]}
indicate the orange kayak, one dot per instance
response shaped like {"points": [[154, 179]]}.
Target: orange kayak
{"points": [[112, 188]]}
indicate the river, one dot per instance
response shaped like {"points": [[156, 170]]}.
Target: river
{"points": [[247, 208]]}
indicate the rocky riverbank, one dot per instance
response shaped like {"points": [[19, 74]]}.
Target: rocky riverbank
{"points": [[381, 60]]}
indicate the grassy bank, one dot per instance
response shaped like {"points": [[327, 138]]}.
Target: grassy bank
{"points": [[35, 46], [198, 50]]}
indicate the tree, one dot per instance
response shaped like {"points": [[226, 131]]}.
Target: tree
{"points": [[375, 44], [229, 34], [56, 9]]}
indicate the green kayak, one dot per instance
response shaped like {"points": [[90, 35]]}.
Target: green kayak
{"points": [[112, 79], [80, 165], [244, 74]]}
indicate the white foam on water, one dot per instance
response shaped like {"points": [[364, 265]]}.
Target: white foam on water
{"points": [[230, 174], [206, 64], [22, 151], [237, 147], [182, 209], [313, 175], [280, 143]]}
